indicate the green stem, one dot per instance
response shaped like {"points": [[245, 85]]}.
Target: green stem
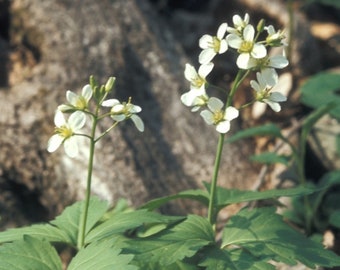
{"points": [[82, 227], [212, 210], [212, 202]]}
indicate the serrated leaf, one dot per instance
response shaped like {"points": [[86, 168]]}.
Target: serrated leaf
{"points": [[69, 219], [265, 130], [237, 259], [263, 233], [101, 256], [172, 245], [40, 231], [124, 221], [270, 158], [321, 90], [226, 197], [196, 195], [29, 254]]}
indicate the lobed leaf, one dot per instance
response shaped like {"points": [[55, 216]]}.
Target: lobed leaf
{"points": [[39, 231], [123, 221], [263, 233], [237, 259], [101, 256], [170, 246], [69, 219], [29, 253]]}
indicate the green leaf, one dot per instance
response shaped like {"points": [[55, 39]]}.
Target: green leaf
{"points": [[335, 219], [321, 90], [229, 196], [183, 240], [237, 259], [40, 231], [30, 254], [270, 158], [332, 3], [69, 219], [197, 195], [101, 256], [265, 130], [263, 233], [121, 222]]}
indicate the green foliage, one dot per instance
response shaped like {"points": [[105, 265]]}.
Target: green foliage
{"points": [[101, 256], [265, 235], [121, 222], [227, 197], [332, 3], [322, 89], [199, 195], [264, 130], [324, 205], [29, 253], [270, 158], [170, 246]]}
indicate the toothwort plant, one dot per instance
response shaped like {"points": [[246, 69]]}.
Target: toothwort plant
{"points": [[126, 238]]}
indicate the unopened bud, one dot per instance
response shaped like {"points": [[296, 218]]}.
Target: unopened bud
{"points": [[110, 83], [260, 26]]}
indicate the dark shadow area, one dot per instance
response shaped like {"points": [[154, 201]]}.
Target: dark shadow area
{"points": [[4, 41]]}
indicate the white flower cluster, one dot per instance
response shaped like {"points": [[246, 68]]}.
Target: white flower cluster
{"points": [[252, 56], [68, 132]]}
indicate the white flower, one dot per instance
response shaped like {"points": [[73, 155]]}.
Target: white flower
{"points": [[218, 117], [77, 102], [123, 111], [195, 98], [239, 24], [246, 46], [263, 89], [65, 132], [197, 79], [213, 45], [275, 38]]}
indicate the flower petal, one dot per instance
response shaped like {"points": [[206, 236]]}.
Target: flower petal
{"points": [[206, 56], [54, 142], [208, 116], [71, 147], [205, 41], [249, 33], [278, 61], [223, 127], [205, 69], [259, 51], [215, 104], [274, 105], [77, 120], [87, 92], [222, 29], [223, 46], [118, 117], [138, 122], [110, 102], [59, 119], [243, 60], [72, 97], [234, 41], [231, 113], [190, 72], [277, 97]]}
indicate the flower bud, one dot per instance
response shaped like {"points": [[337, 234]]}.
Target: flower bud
{"points": [[109, 84], [260, 26]]}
